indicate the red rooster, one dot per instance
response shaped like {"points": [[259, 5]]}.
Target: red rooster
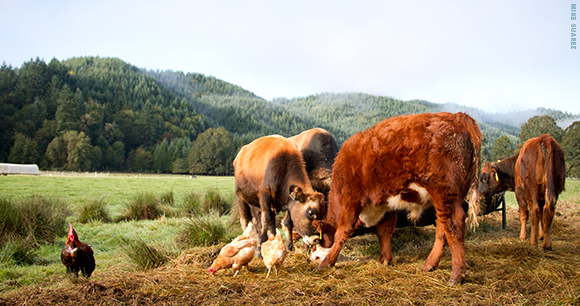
{"points": [[77, 256]]}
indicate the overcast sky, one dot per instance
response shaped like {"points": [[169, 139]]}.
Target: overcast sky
{"points": [[495, 55]]}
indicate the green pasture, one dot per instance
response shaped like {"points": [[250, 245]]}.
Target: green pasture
{"points": [[105, 238], [572, 188], [116, 189]]}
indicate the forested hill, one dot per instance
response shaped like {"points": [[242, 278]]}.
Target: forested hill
{"points": [[99, 114], [240, 112]]}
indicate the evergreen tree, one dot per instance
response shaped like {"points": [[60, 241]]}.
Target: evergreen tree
{"points": [[213, 153], [30, 118], [118, 156], [24, 151], [161, 158], [502, 148], [56, 153], [140, 160], [538, 125], [78, 151], [571, 146], [67, 111], [32, 82]]}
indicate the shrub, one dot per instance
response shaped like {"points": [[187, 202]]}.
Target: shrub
{"points": [[144, 256], [167, 198], [25, 224], [35, 220], [17, 251], [145, 207], [95, 210], [206, 230], [213, 201], [191, 205]]}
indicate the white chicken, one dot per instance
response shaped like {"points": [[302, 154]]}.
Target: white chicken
{"points": [[274, 252], [237, 253]]}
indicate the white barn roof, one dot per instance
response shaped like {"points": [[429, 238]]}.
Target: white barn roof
{"points": [[19, 169]]}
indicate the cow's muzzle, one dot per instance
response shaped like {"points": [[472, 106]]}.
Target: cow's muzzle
{"points": [[311, 240]]}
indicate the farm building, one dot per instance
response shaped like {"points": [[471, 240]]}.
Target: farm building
{"points": [[19, 169]]}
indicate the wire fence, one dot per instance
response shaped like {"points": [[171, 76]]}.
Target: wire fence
{"points": [[73, 173]]}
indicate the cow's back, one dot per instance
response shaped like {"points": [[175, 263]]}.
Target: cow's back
{"points": [[540, 166], [318, 148], [253, 158], [440, 152]]}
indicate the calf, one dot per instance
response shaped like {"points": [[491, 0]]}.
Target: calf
{"points": [[404, 163], [270, 175], [537, 175]]}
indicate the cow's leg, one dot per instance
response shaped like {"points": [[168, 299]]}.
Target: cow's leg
{"points": [[547, 218], [257, 218], [267, 218], [346, 225], [534, 210], [520, 197], [245, 212], [450, 228], [433, 259], [385, 231], [455, 235], [288, 227]]}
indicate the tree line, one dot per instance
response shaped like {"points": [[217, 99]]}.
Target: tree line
{"points": [[102, 114]]}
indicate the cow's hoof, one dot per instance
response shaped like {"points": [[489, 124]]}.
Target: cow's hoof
{"points": [[427, 268], [453, 282]]}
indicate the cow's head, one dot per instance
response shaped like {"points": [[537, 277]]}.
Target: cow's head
{"points": [[305, 207], [489, 181], [488, 185]]}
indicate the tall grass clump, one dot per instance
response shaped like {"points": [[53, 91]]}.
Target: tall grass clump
{"points": [[191, 205], [213, 201], [27, 223], [143, 255], [94, 210], [146, 206], [17, 251], [36, 219], [167, 198], [206, 230]]}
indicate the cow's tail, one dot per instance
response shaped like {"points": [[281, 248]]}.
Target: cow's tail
{"points": [[474, 207], [550, 154]]}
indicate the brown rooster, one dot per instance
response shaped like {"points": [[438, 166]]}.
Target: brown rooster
{"points": [[274, 251], [77, 256], [237, 253]]}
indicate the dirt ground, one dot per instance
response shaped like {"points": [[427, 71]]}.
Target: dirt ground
{"points": [[501, 270]]}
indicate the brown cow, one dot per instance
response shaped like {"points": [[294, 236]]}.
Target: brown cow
{"points": [[270, 174], [319, 150], [537, 175], [407, 162]]}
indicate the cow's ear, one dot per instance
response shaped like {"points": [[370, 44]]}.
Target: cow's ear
{"points": [[295, 192]]}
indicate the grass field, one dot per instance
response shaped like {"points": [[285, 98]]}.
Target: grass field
{"points": [[501, 268]]}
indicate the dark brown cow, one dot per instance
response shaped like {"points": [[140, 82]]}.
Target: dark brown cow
{"points": [[319, 150], [270, 174], [407, 162], [537, 175]]}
